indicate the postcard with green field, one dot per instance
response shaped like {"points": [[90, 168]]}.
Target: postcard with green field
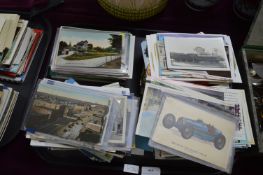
{"points": [[89, 48]]}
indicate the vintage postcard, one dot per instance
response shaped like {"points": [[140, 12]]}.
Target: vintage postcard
{"points": [[89, 48], [5, 96], [152, 100], [20, 31], [2, 101], [3, 38], [68, 113], [120, 124], [149, 108], [203, 133], [8, 112], [1, 94], [8, 31], [234, 98], [145, 55], [196, 53], [2, 22]]}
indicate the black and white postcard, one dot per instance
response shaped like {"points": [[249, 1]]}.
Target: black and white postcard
{"points": [[196, 53]]}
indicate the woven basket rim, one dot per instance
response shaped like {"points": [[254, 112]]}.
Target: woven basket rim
{"points": [[130, 10]]}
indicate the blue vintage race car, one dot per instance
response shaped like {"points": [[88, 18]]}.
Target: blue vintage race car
{"points": [[195, 128]]}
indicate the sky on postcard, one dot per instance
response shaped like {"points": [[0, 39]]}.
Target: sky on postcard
{"points": [[64, 91], [97, 39]]}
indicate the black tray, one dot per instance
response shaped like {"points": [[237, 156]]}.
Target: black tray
{"points": [[258, 130], [253, 47], [26, 88], [179, 166]]}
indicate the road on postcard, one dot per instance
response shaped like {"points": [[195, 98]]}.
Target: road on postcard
{"points": [[94, 62]]}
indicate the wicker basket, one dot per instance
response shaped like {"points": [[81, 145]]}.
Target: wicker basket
{"points": [[133, 14]]}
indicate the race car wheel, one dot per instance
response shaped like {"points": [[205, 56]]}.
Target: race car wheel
{"points": [[219, 142], [186, 132], [168, 121], [179, 123]]}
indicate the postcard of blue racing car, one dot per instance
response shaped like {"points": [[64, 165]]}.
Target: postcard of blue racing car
{"points": [[195, 128]]}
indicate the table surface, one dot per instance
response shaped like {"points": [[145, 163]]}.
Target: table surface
{"points": [[19, 157]]}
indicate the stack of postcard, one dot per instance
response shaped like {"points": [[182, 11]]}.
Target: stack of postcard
{"points": [[18, 44], [194, 122], [97, 120], [87, 54], [8, 98], [190, 57]]}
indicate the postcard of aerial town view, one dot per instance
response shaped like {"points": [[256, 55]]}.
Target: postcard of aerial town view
{"points": [[196, 53], [69, 115], [89, 48]]}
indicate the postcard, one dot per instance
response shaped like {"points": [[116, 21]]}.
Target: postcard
{"points": [[233, 98], [20, 30], [90, 48], [119, 126], [161, 55], [3, 38], [202, 133], [151, 40], [152, 100], [223, 96], [149, 108], [1, 94], [25, 43], [145, 54], [68, 113], [2, 100], [196, 53], [7, 113], [247, 120], [38, 143], [5, 97], [2, 22], [104, 54], [7, 33]]}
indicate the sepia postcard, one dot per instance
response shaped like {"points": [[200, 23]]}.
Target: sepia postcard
{"points": [[196, 53]]}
